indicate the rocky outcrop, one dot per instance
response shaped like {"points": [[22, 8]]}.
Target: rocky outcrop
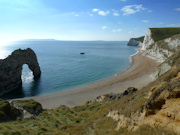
{"points": [[29, 108], [136, 41], [7, 111], [11, 69], [11, 110], [113, 96]]}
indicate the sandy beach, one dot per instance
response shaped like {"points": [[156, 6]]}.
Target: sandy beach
{"points": [[137, 75]]}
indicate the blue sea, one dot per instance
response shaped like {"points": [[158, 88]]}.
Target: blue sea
{"points": [[64, 68]]}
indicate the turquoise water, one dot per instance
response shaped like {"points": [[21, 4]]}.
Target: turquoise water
{"points": [[63, 67]]}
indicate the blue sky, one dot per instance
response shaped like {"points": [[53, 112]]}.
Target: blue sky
{"points": [[111, 20]]}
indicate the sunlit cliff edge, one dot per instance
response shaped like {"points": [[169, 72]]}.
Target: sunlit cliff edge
{"points": [[152, 110]]}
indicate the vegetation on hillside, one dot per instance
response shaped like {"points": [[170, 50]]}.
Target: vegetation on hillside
{"points": [[163, 33], [141, 39]]}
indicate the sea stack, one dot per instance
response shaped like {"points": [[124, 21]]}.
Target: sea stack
{"points": [[11, 69]]}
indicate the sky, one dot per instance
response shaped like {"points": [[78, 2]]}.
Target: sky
{"points": [[84, 20]]}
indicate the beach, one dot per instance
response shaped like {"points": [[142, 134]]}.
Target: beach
{"points": [[136, 75]]}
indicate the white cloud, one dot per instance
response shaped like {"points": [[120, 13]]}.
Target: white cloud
{"points": [[177, 9], [145, 21], [123, 0], [104, 27], [160, 23], [103, 13], [150, 11], [130, 32], [116, 14], [132, 9], [75, 14], [118, 30], [95, 10], [174, 25]]}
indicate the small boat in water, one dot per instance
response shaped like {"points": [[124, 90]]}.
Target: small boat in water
{"points": [[82, 53]]}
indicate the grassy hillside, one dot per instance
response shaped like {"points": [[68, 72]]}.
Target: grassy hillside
{"points": [[141, 39], [162, 33]]}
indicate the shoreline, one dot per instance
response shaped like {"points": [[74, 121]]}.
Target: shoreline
{"points": [[136, 75]]}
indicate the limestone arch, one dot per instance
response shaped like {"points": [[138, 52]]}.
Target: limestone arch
{"points": [[11, 69]]}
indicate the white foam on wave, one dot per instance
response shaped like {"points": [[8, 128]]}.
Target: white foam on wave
{"points": [[27, 77]]}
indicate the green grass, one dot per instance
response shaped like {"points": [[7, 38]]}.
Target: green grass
{"points": [[162, 33], [141, 39], [30, 105]]}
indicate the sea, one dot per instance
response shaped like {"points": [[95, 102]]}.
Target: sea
{"points": [[64, 68]]}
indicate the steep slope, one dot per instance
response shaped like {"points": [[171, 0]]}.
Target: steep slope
{"points": [[161, 43]]}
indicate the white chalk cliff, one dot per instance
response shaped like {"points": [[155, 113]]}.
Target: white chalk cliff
{"points": [[147, 40], [162, 49]]}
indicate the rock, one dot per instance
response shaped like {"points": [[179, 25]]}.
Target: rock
{"points": [[136, 41], [8, 112], [162, 49], [113, 96], [11, 69], [28, 106], [148, 40]]}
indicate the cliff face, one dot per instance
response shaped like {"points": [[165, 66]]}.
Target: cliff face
{"points": [[147, 40], [136, 41], [162, 49], [11, 69]]}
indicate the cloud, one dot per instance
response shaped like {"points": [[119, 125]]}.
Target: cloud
{"points": [[150, 11], [132, 9], [75, 14], [103, 13], [130, 32], [174, 25], [145, 21], [95, 10], [116, 14], [160, 23], [177, 9], [104, 27], [118, 30], [100, 12], [123, 0]]}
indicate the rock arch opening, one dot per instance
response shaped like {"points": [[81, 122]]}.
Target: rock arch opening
{"points": [[26, 75]]}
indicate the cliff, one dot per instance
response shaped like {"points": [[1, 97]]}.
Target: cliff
{"points": [[136, 41], [11, 69], [160, 45]]}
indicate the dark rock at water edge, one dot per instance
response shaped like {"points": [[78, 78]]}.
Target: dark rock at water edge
{"points": [[11, 69]]}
